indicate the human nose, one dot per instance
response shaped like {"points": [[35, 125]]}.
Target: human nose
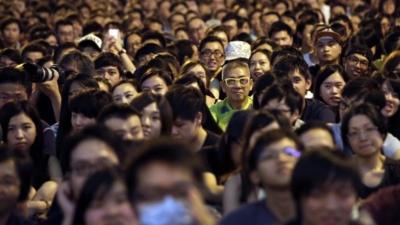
{"points": [[19, 134], [124, 100], [331, 202], [145, 121], [174, 131]]}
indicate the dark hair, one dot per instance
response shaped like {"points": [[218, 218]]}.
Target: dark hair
{"points": [[162, 150], [266, 139], [358, 49], [33, 47], [188, 66], [264, 40], [5, 22], [234, 133], [97, 132], [279, 26], [11, 54], [260, 87], [10, 75], [85, 81], [40, 32], [165, 62], [369, 111], [209, 39], [154, 35], [186, 102], [97, 186], [151, 72], [92, 27], [59, 51], [7, 112], [391, 40], [146, 50], [324, 74], [62, 22], [23, 168], [109, 59], [116, 111], [357, 85], [90, 102], [147, 98], [243, 36], [81, 62], [391, 62], [286, 92], [287, 64], [185, 50], [318, 168]]}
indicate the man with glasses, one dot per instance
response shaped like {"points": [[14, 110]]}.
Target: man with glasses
{"points": [[236, 83], [356, 61], [212, 56]]}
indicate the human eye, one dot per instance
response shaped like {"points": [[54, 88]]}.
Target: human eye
{"points": [[353, 133], [155, 116], [244, 80]]}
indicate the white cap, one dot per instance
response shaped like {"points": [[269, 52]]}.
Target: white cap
{"points": [[237, 50], [93, 38]]}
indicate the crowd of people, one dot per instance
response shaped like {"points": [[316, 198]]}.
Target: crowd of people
{"points": [[200, 112]]}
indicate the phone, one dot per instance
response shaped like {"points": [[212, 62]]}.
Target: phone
{"points": [[113, 32]]}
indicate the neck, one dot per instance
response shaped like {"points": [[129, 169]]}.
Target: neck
{"points": [[280, 203], [323, 64], [200, 139], [371, 163], [238, 105]]}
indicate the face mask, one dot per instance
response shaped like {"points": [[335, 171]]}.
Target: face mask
{"points": [[168, 211]]}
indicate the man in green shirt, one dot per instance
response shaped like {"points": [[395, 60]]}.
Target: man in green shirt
{"points": [[236, 83]]}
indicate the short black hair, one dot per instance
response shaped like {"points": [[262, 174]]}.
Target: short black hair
{"points": [[15, 76], [33, 47], [210, 39], [11, 54], [163, 150], [358, 49], [5, 22], [283, 91], [146, 50], [154, 35], [62, 22], [90, 102], [279, 26], [109, 59], [113, 110], [97, 132], [186, 102], [288, 64], [318, 168], [368, 110]]}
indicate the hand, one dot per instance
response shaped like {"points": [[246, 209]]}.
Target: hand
{"points": [[199, 210], [64, 194]]}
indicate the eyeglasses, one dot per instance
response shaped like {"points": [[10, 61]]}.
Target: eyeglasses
{"points": [[208, 53], [355, 60], [365, 132], [273, 155], [230, 82]]}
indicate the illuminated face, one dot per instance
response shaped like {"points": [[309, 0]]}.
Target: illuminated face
{"points": [[124, 93], [21, 132], [127, 129], [156, 85], [151, 121], [282, 38], [331, 89], [392, 101], [110, 73], [237, 84], [212, 56], [259, 65], [328, 50]]}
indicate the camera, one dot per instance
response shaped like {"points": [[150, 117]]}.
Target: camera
{"points": [[39, 74]]}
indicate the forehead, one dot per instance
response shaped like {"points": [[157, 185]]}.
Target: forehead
{"points": [[359, 56], [108, 68], [280, 145], [213, 46], [280, 33], [334, 77], [196, 22], [12, 87], [91, 149], [160, 174], [124, 87], [359, 120], [238, 71]]}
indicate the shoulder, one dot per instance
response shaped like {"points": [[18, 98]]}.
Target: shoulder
{"points": [[253, 213]]}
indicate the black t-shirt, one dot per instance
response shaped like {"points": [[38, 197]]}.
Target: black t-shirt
{"points": [[16, 219], [209, 153], [255, 213], [315, 110], [391, 176]]}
